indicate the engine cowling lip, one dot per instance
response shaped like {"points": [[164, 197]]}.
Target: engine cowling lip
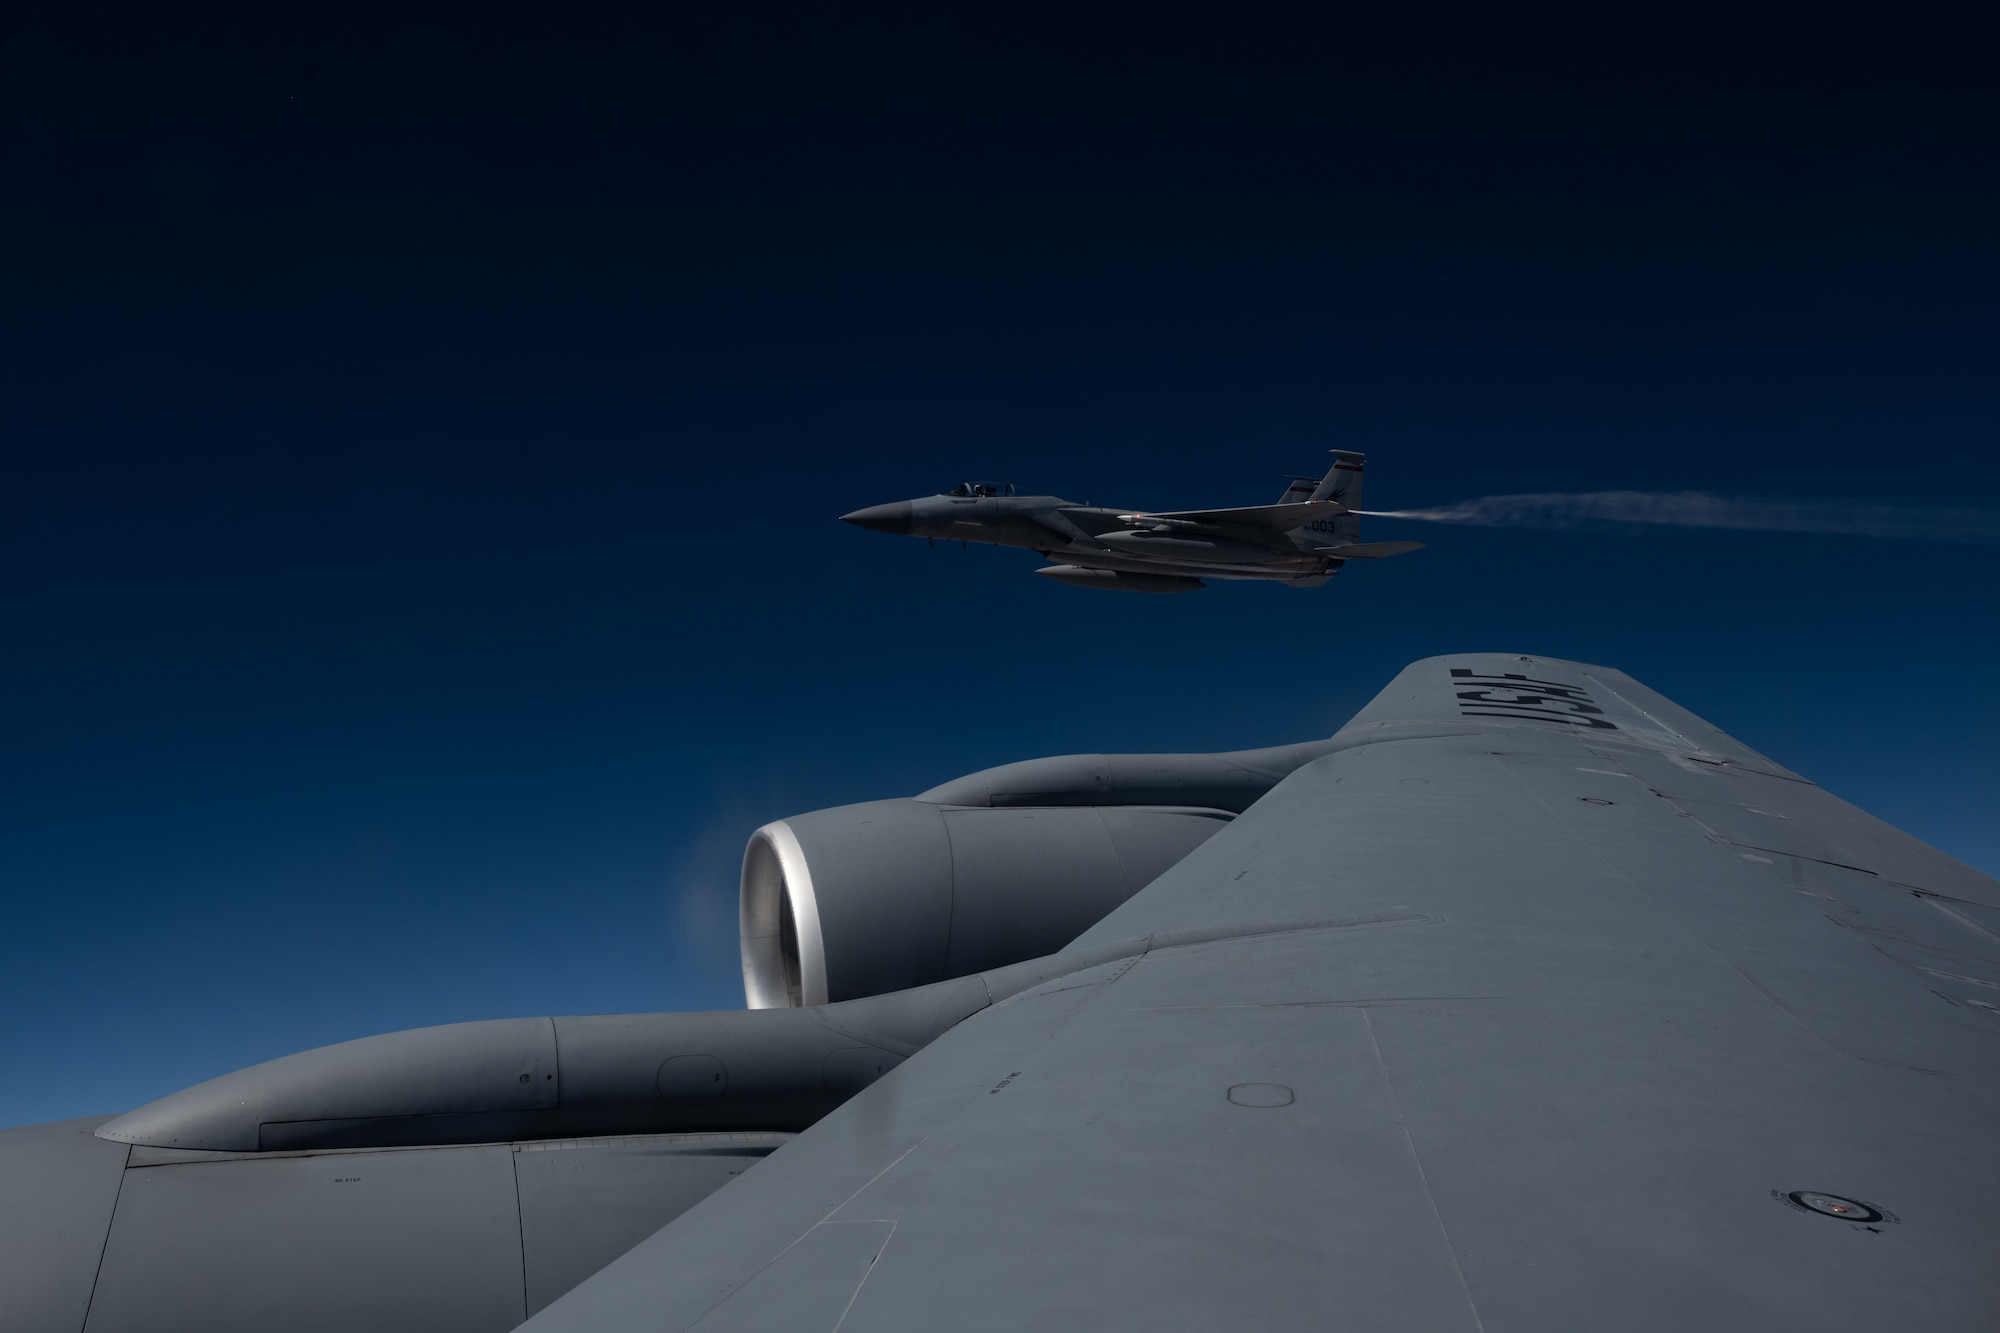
{"points": [[777, 880]]}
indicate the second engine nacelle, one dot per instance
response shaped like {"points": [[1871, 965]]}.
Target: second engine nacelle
{"points": [[863, 899]]}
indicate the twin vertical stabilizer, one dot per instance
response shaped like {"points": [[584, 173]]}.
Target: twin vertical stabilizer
{"points": [[1342, 486]]}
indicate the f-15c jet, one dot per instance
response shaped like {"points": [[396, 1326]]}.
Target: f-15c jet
{"points": [[1301, 541]]}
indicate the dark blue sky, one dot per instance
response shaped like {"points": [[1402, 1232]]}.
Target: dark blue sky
{"points": [[424, 439]]}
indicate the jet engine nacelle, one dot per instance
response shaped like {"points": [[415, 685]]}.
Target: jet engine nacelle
{"points": [[864, 899], [993, 868]]}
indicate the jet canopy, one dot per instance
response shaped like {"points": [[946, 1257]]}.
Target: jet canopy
{"points": [[982, 488]]}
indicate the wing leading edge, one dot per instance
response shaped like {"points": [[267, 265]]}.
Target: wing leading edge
{"points": [[1537, 1004]]}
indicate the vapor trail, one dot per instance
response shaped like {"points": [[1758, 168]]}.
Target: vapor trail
{"points": [[1910, 520]]}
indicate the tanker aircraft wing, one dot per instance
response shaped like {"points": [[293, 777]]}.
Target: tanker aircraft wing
{"points": [[1537, 1003]]}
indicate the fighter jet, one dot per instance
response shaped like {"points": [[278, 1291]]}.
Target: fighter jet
{"points": [[1301, 541]]}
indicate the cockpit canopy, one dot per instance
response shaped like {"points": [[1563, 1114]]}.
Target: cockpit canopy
{"points": [[982, 488]]}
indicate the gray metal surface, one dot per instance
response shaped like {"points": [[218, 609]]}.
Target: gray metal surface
{"points": [[58, 1184], [986, 869], [468, 1238], [1300, 543], [586, 1201], [1526, 1008], [1231, 780], [1528, 1001], [765, 1069], [402, 1240], [863, 899], [617, 1074]]}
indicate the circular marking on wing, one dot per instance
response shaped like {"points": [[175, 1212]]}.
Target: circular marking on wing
{"points": [[1833, 1205], [1261, 1094], [1595, 800]]}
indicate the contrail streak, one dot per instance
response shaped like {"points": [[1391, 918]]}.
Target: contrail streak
{"points": [[1906, 519]]}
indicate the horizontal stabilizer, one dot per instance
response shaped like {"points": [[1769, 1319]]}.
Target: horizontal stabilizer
{"points": [[1268, 518], [1369, 550], [1118, 580]]}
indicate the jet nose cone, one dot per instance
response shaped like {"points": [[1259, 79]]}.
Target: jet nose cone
{"points": [[882, 518]]}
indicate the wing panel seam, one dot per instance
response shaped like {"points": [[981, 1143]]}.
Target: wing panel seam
{"points": [[104, 1246], [1416, 1160]]}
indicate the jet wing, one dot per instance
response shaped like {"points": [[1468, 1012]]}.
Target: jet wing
{"points": [[1269, 518], [1538, 1004]]}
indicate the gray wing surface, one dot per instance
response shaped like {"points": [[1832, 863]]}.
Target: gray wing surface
{"points": [[1528, 1008]]}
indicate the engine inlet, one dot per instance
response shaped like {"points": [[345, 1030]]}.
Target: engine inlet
{"points": [[784, 957]]}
